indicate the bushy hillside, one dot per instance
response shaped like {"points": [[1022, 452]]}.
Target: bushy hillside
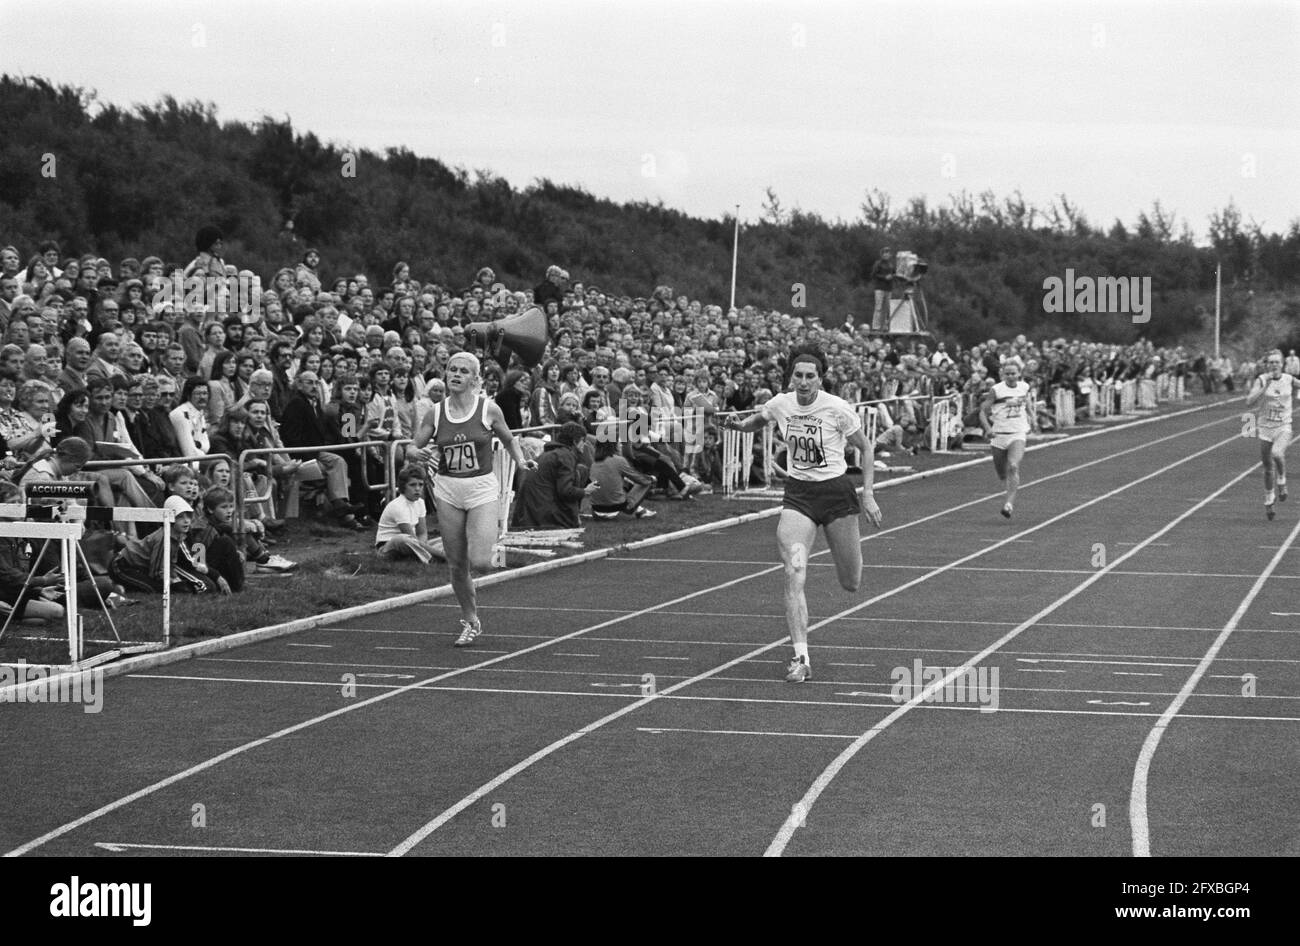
{"points": [[139, 181]]}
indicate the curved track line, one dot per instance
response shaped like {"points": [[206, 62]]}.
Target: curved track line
{"points": [[1137, 803], [410, 842], [799, 811]]}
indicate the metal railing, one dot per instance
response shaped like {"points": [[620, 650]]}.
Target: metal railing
{"points": [[241, 494]]}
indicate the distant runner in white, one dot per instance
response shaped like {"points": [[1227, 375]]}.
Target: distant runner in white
{"points": [[816, 426], [1006, 415], [1273, 391]]}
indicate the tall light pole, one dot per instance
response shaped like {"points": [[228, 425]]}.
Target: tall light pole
{"points": [[1218, 288], [735, 252]]}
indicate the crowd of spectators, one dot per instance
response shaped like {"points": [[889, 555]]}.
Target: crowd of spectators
{"points": [[173, 362]]}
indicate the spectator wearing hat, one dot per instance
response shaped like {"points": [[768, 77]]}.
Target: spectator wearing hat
{"points": [[139, 564], [551, 495]]}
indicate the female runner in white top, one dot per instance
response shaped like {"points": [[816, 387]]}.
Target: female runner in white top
{"points": [[1273, 391], [1006, 414]]}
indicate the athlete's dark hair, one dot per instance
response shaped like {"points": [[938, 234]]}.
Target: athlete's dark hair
{"points": [[804, 352]]}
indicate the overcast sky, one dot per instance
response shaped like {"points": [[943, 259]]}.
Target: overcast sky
{"points": [[705, 104]]}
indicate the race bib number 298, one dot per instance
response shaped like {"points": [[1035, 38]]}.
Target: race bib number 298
{"points": [[806, 447]]}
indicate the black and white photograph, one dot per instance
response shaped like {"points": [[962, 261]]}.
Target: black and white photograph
{"points": [[682, 429]]}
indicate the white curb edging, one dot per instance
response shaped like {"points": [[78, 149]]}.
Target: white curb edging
{"points": [[240, 638]]}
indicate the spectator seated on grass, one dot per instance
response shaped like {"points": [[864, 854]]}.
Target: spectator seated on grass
{"points": [[402, 532], [648, 456], [40, 597], [619, 486], [139, 566], [215, 535], [552, 494], [708, 464]]}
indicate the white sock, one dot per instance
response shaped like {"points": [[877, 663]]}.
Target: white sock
{"points": [[1281, 481], [801, 650], [1268, 498]]}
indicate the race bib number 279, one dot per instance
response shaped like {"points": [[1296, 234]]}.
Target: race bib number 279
{"points": [[459, 458]]}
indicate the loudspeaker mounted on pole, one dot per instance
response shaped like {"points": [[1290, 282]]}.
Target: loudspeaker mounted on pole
{"points": [[525, 334]]}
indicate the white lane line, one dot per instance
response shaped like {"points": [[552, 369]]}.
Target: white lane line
{"points": [[772, 681], [744, 732], [800, 809], [646, 657], [397, 648], [119, 846], [491, 785], [1118, 703], [378, 698], [1028, 570], [1071, 660], [864, 619], [1137, 805], [325, 646], [1134, 673], [829, 664], [1036, 670], [574, 655]]}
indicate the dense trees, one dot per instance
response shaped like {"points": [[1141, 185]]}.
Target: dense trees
{"points": [[139, 181]]}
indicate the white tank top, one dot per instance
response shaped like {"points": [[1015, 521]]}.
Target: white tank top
{"points": [[1010, 410], [1275, 409]]}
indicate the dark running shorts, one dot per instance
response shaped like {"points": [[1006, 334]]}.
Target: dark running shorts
{"points": [[822, 502]]}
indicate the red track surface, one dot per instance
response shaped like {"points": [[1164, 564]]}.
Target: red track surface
{"points": [[539, 740]]}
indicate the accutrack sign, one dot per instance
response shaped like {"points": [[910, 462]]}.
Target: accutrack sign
{"points": [[60, 489]]}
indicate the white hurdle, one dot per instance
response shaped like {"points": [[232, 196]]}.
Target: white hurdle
{"points": [[68, 532], [1063, 402]]}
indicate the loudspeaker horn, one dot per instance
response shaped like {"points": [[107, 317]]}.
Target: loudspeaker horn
{"points": [[525, 334]]}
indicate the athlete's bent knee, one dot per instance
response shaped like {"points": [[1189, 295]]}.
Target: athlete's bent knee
{"points": [[796, 563]]}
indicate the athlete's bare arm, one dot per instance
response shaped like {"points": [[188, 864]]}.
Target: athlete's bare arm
{"points": [[858, 440], [497, 421], [1256, 391], [753, 422], [986, 421]]}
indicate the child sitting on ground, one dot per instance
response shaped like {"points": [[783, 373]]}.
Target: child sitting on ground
{"points": [[620, 486], [139, 564], [402, 532]]}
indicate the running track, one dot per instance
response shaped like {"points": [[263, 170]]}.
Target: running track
{"points": [[1121, 608]]}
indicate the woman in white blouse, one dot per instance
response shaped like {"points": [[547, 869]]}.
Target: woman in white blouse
{"points": [[190, 419]]}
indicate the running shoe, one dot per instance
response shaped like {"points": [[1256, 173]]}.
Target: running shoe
{"points": [[1006, 511], [277, 563], [798, 671], [1268, 511], [643, 513], [1281, 492], [468, 632]]}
